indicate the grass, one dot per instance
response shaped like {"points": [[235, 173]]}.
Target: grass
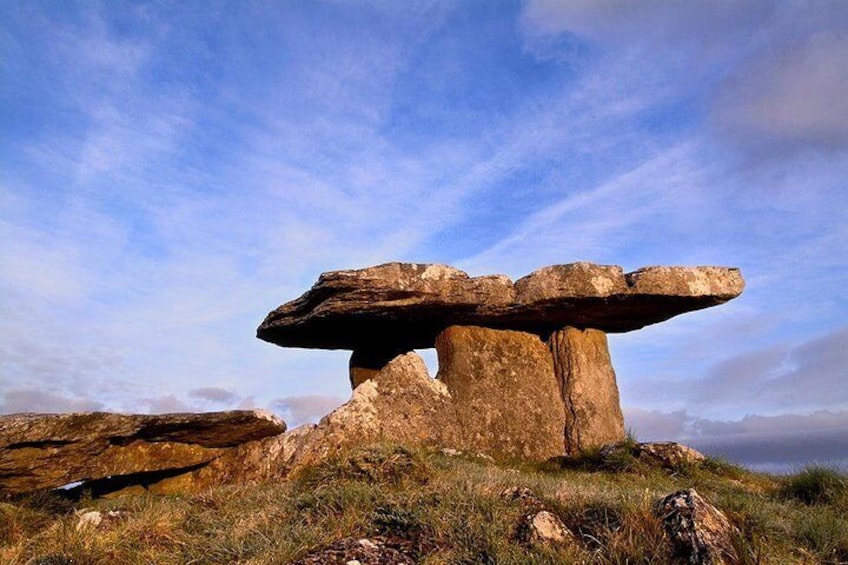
{"points": [[440, 510]]}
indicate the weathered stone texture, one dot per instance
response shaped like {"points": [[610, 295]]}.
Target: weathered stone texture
{"points": [[589, 391], [404, 306], [42, 451], [504, 391], [701, 533]]}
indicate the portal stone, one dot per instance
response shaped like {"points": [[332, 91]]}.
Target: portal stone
{"points": [[504, 391], [586, 379]]}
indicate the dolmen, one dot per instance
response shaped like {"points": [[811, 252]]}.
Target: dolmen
{"points": [[524, 375], [524, 369]]}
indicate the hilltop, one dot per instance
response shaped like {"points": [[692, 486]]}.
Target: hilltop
{"points": [[436, 507]]}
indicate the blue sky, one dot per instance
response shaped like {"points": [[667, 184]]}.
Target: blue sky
{"points": [[170, 172]]}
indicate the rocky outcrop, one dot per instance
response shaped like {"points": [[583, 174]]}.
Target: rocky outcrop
{"points": [[701, 533], [586, 378], [404, 306], [503, 388], [665, 454], [43, 451], [403, 404], [400, 404]]}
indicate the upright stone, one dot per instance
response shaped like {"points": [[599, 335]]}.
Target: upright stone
{"points": [[504, 391], [589, 392]]}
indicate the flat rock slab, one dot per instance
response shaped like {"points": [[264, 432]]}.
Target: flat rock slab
{"points": [[42, 451], [405, 306]]}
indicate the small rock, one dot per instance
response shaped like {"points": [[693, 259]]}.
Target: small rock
{"points": [[521, 494], [356, 551], [97, 519], [700, 532], [543, 528]]}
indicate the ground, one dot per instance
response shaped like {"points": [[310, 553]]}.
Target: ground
{"points": [[436, 508]]}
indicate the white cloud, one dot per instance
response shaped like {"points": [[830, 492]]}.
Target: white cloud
{"points": [[297, 410]]}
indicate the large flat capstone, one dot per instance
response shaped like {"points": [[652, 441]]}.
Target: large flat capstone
{"points": [[404, 306]]}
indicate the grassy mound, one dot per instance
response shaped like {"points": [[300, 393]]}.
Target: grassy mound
{"points": [[438, 509]]}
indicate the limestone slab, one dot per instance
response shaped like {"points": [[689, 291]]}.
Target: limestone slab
{"points": [[42, 451], [404, 306]]}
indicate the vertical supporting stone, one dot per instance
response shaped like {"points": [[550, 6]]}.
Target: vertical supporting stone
{"points": [[589, 392], [367, 362], [504, 391]]}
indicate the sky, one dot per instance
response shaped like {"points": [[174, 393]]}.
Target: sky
{"points": [[172, 171]]}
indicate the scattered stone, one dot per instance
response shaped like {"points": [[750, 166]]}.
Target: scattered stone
{"points": [[669, 454], [44, 451], [521, 494], [403, 306], [589, 391], [504, 391], [543, 528], [701, 533], [89, 519], [666, 454], [364, 551]]}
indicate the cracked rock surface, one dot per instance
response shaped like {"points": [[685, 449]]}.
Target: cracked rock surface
{"points": [[43, 451]]}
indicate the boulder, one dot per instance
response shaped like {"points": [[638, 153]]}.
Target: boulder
{"points": [[589, 391], [43, 451], [404, 306], [701, 533], [504, 391]]}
